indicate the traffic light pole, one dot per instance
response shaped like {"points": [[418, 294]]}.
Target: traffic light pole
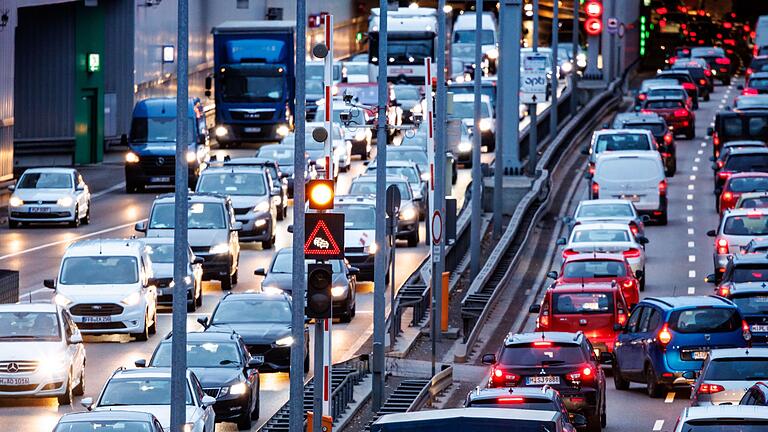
{"points": [[533, 135], [555, 80], [429, 117], [327, 324], [477, 177], [575, 53]]}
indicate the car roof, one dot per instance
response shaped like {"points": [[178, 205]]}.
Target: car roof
{"points": [[621, 131], [654, 98], [232, 169], [724, 412], [50, 170], [352, 200], [603, 201], [747, 259], [559, 337], [252, 295], [394, 163], [148, 372], [723, 353], [748, 150], [106, 415], [594, 256], [194, 197], [29, 307], [413, 419], [744, 212], [91, 247], [586, 286], [469, 97], [207, 336], [688, 301], [600, 226], [637, 117]]}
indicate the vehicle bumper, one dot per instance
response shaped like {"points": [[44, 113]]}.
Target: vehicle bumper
{"points": [[215, 266], [341, 306], [680, 125], [41, 384], [721, 260], [407, 228], [137, 175], [256, 227], [276, 359], [131, 320], [54, 214], [165, 296], [584, 401], [230, 407], [250, 132], [362, 261]]}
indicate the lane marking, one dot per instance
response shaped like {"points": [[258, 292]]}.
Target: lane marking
{"points": [[691, 187], [689, 207], [690, 231], [689, 219], [692, 177], [692, 274], [108, 190], [658, 425], [697, 160], [691, 290], [670, 396], [691, 244], [704, 144], [691, 258], [695, 168], [700, 152]]}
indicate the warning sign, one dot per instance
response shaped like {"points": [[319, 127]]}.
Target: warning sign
{"points": [[324, 236]]}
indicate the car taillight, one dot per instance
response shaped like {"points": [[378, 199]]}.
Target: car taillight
{"points": [[511, 399], [723, 60], [595, 190], [633, 227], [707, 388], [745, 331], [632, 253], [727, 196], [663, 187], [668, 138], [689, 86], [724, 174], [719, 164], [703, 81], [749, 71], [544, 317], [664, 335], [749, 91], [722, 246], [584, 374], [591, 168], [642, 96], [723, 290], [500, 377], [569, 252], [707, 72], [681, 113], [715, 139], [672, 60]]}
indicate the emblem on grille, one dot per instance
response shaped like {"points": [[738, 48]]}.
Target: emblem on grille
{"points": [[96, 307], [12, 367], [160, 161]]}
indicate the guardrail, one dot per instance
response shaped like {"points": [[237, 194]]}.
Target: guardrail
{"points": [[9, 286]]}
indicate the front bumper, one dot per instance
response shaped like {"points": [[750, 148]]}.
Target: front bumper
{"points": [[406, 228], [256, 227], [32, 213], [137, 174], [363, 261], [215, 266], [165, 296], [276, 358], [259, 132], [35, 384], [130, 320], [230, 407]]}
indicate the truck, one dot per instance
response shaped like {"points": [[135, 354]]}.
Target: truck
{"points": [[411, 37], [253, 80]]}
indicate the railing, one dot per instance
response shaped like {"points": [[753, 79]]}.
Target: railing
{"points": [[9, 286]]}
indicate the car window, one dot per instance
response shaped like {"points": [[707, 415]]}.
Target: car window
{"points": [[709, 320], [654, 128], [757, 202], [542, 353], [753, 303], [757, 126], [746, 162], [732, 126], [252, 310], [654, 321], [594, 269], [232, 183], [600, 235], [359, 217], [605, 210], [737, 369], [29, 326], [634, 319], [582, 303], [644, 326], [202, 355], [617, 142], [106, 426], [748, 184], [749, 273], [750, 225], [664, 104], [198, 388], [208, 215]]}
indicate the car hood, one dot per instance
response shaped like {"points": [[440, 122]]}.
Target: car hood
{"points": [[162, 412], [155, 148], [42, 194], [197, 237], [242, 201], [283, 281], [358, 238], [216, 377], [30, 350], [162, 270], [107, 293], [256, 333]]}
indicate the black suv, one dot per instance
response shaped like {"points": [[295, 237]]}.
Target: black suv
{"points": [[563, 361]]}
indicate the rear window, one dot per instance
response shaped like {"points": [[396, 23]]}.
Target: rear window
{"points": [[750, 225], [655, 128], [629, 169], [517, 402], [705, 320], [664, 104], [725, 425], [752, 273], [737, 369], [668, 92], [600, 235], [594, 269], [748, 184], [541, 354], [605, 210], [756, 202], [618, 142], [747, 162], [751, 303], [582, 303], [758, 83]]}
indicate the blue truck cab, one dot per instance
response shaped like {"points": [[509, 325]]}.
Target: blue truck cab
{"points": [[151, 160], [253, 80]]}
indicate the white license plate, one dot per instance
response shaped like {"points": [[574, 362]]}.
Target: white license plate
{"points": [[97, 319], [542, 380], [253, 129], [699, 355], [758, 328], [14, 381], [633, 198], [159, 179], [259, 358], [39, 209], [401, 71]]}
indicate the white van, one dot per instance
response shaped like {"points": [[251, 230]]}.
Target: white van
{"points": [[637, 176], [761, 36], [464, 32]]}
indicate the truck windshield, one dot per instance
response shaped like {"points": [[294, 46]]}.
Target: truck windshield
{"points": [[468, 36], [240, 88], [405, 51], [158, 129]]}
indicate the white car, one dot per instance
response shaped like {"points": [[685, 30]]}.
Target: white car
{"points": [[149, 390], [608, 238], [107, 286], [609, 210], [360, 246], [43, 354], [464, 109], [49, 195]]}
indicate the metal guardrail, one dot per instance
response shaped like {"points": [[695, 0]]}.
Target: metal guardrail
{"points": [[9, 286], [402, 399]]}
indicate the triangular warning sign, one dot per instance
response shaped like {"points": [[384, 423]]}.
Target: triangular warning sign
{"points": [[325, 239]]}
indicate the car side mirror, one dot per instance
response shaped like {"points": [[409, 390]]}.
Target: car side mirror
{"points": [[617, 328], [140, 363], [290, 229], [203, 321], [140, 226], [639, 274], [50, 283], [643, 240], [567, 219], [645, 218], [87, 403], [76, 339], [710, 131], [208, 401], [489, 359], [237, 226], [585, 150], [253, 363], [578, 420], [606, 357], [552, 275], [710, 278], [198, 260], [534, 309], [711, 233], [260, 272], [561, 241], [354, 271], [714, 167], [689, 375]]}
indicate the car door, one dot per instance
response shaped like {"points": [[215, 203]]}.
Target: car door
{"points": [[148, 290], [631, 348], [208, 416], [81, 192], [79, 348], [649, 327]]}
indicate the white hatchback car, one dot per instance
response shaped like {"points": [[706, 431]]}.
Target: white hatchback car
{"points": [[49, 195], [43, 354]]}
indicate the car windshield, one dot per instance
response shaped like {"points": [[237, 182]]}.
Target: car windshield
{"points": [[416, 156], [104, 426], [408, 93], [664, 104], [201, 355], [600, 235], [605, 210], [517, 402], [747, 162], [253, 310], [654, 128], [161, 253], [240, 88], [582, 303], [283, 155], [359, 218], [32, 326], [138, 391], [466, 109], [752, 102], [753, 273], [754, 202], [707, 52], [594, 269], [679, 93], [750, 225], [232, 183], [284, 264], [705, 320], [624, 141], [201, 215], [748, 184], [369, 188], [158, 129], [648, 84], [468, 37], [43, 180], [354, 69], [542, 353], [752, 303], [99, 270], [725, 425]]}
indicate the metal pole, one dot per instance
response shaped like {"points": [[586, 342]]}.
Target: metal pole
{"points": [[535, 38], [429, 114], [575, 42], [533, 132], [380, 263], [330, 169], [477, 176], [319, 384], [555, 81], [393, 241], [442, 136], [296, 420], [180, 242]]}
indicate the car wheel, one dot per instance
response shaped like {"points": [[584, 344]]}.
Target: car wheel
{"points": [[153, 328], [618, 379], [413, 239], [79, 389], [706, 98], [642, 281], [654, 388], [267, 244], [13, 224], [74, 223], [593, 422], [281, 212], [244, 422], [66, 398], [87, 218], [143, 336]]}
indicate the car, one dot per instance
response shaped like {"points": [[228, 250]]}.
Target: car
{"points": [[416, 178], [752, 200], [757, 395], [642, 93], [736, 228], [609, 210], [570, 307], [701, 73], [736, 185], [610, 238], [666, 340], [213, 232], [342, 146], [277, 175], [367, 95], [49, 195], [600, 268], [758, 64], [658, 127], [250, 192], [356, 130], [569, 365], [487, 87], [161, 255], [279, 278], [225, 369], [463, 108], [618, 140], [409, 97], [417, 137], [264, 322], [107, 286], [756, 84], [528, 398], [744, 284], [732, 145], [742, 271], [738, 125], [675, 112], [108, 421], [148, 390], [636, 176], [758, 245], [685, 79], [354, 71], [409, 212], [723, 418], [748, 159], [316, 153], [283, 154], [680, 52], [727, 374], [675, 90], [43, 353], [360, 246], [718, 62], [460, 143], [747, 103], [409, 153]]}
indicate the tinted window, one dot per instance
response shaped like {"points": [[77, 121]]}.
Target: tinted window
{"points": [[655, 128], [664, 104], [732, 127], [654, 320], [359, 218], [758, 126], [582, 303], [616, 142], [200, 216], [240, 88], [705, 320], [201, 354], [104, 426], [468, 36], [283, 155], [31, 326], [668, 92], [138, 391], [725, 425], [751, 303], [369, 188], [737, 369], [162, 253], [45, 181], [231, 183], [753, 225], [594, 269], [252, 310], [634, 319], [605, 210], [744, 273], [757, 202], [553, 354], [158, 129], [604, 235], [758, 83], [517, 402], [748, 184], [99, 270]]}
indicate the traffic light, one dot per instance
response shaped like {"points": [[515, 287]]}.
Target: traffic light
{"points": [[320, 194], [319, 297], [594, 22]]}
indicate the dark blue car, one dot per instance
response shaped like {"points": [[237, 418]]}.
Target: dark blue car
{"points": [[667, 339]]}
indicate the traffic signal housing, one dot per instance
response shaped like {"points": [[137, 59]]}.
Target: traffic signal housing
{"points": [[319, 297], [320, 193], [594, 22]]}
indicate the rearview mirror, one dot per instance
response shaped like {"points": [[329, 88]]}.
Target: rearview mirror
{"points": [[76, 338], [290, 229], [203, 321], [253, 363], [260, 272], [141, 226], [140, 363], [50, 283], [711, 233], [87, 403], [237, 226], [534, 309], [642, 239], [552, 275], [489, 359], [208, 401], [710, 278]]}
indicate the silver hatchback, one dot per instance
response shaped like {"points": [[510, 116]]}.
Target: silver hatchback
{"points": [[737, 228], [727, 374]]}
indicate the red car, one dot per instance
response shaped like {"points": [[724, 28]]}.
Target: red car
{"points": [[597, 309], [675, 111], [603, 268], [737, 184]]}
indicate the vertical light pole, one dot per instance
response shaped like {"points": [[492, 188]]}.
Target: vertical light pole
{"points": [[533, 130], [477, 177], [180, 242], [575, 53], [429, 117], [330, 169], [555, 81], [438, 245], [296, 419]]}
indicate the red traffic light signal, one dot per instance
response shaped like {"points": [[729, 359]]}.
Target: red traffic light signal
{"points": [[593, 8], [593, 26], [594, 23]]}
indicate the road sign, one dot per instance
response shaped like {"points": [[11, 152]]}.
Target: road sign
{"points": [[393, 200], [622, 30], [612, 25], [324, 236], [437, 227], [533, 79]]}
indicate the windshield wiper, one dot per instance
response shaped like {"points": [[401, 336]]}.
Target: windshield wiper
{"points": [[228, 362]]}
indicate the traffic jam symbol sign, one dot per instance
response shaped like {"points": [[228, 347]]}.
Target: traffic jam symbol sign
{"points": [[533, 80], [324, 236]]}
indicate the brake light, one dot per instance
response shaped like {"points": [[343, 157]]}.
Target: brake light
{"points": [[591, 168], [512, 399], [681, 113], [715, 139], [569, 252], [745, 331], [703, 81], [706, 388], [672, 60], [722, 246], [689, 86], [642, 96], [544, 317], [621, 318], [729, 42], [720, 164], [723, 60], [749, 91], [584, 374], [707, 72], [663, 187], [665, 336], [727, 196], [749, 71], [595, 190], [632, 253], [633, 228], [668, 138], [724, 291], [542, 344], [724, 174], [501, 377]]}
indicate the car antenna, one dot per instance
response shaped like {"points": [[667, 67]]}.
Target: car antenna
{"points": [[99, 246], [674, 289]]}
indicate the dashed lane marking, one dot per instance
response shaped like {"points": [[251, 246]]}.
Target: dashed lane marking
{"points": [[692, 177], [689, 219], [695, 168], [670, 397], [689, 207], [704, 144], [691, 258], [690, 231], [691, 244], [700, 152], [697, 160], [691, 290], [692, 274], [658, 425], [691, 187]]}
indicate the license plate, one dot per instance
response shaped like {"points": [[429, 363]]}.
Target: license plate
{"points": [[14, 381], [758, 328], [259, 358], [97, 319], [699, 355], [253, 129], [39, 209], [542, 380], [633, 198], [401, 71], [159, 179]]}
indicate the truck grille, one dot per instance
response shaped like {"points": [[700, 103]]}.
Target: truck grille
{"points": [[213, 392], [96, 309], [158, 164], [245, 115]]}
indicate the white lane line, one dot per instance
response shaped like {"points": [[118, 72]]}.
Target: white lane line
{"points": [[704, 144], [691, 244], [39, 290], [695, 168], [689, 207], [689, 219], [722, 105], [692, 274], [691, 187], [106, 191], [692, 177], [658, 425], [691, 290], [690, 231], [697, 160], [713, 123], [670, 397], [701, 152], [691, 258], [69, 240]]}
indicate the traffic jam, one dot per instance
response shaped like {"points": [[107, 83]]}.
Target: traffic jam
{"points": [[613, 322]]}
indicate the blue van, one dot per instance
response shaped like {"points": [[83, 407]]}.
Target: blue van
{"points": [[667, 339], [152, 142]]}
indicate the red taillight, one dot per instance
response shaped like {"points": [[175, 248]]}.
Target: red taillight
{"points": [[569, 252], [668, 138], [498, 373], [724, 174], [542, 344], [706, 388], [544, 318], [749, 91], [749, 71], [595, 190], [745, 333], [724, 291], [591, 168], [663, 187], [703, 81], [500, 377], [727, 196], [584, 374], [715, 139], [511, 399], [689, 86], [672, 60], [707, 72], [722, 246], [621, 318], [665, 336], [720, 164], [723, 60], [632, 253], [681, 113], [642, 96], [730, 42], [633, 227]]}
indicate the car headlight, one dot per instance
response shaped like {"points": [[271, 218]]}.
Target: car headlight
{"points": [[131, 157], [425, 176], [52, 363], [191, 156], [220, 248], [286, 341], [16, 201], [188, 427], [221, 131], [371, 248], [64, 201], [283, 130], [271, 290], [262, 207], [416, 108], [492, 53], [408, 214], [338, 291], [581, 60], [133, 299], [61, 300], [238, 389], [566, 67], [485, 125], [465, 147], [360, 135]]}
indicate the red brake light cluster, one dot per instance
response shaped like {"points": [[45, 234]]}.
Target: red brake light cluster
{"points": [[723, 60], [595, 190], [749, 91], [664, 335], [723, 290], [722, 246], [689, 86], [706, 388], [663, 187], [745, 331], [621, 317], [500, 377], [668, 138], [511, 399], [569, 252], [642, 96], [632, 253], [584, 374], [633, 227], [681, 113]]}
